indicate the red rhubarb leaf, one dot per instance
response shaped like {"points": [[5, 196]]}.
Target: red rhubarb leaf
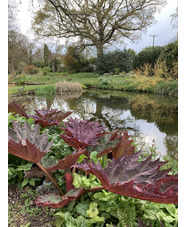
{"points": [[142, 180], [106, 144], [67, 162], [26, 143], [123, 147], [17, 108], [48, 117], [82, 133], [57, 201]]}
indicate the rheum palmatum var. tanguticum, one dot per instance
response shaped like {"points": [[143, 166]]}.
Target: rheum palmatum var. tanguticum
{"points": [[123, 175]]}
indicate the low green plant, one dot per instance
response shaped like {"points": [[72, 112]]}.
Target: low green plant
{"points": [[104, 82], [45, 70], [45, 90]]}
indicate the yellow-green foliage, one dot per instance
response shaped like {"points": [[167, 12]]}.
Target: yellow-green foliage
{"points": [[68, 87], [160, 69]]}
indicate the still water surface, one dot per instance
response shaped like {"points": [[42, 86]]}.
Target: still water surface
{"points": [[151, 120]]}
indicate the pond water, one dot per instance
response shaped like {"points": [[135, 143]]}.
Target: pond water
{"points": [[151, 120]]}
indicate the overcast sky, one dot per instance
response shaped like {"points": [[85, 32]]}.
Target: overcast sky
{"points": [[162, 28]]}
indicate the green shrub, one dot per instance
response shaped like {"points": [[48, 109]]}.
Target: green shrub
{"points": [[38, 64], [147, 55], [170, 56], [167, 88], [115, 62], [45, 70], [104, 82]]}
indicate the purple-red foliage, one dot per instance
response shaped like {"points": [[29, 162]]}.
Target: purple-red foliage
{"points": [[114, 142], [142, 180], [56, 201], [67, 162], [82, 133], [124, 146], [26, 143], [48, 117], [17, 108]]}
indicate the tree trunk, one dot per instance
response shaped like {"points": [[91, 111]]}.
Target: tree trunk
{"points": [[99, 49]]}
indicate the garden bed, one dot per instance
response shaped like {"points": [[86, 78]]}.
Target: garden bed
{"points": [[22, 210]]}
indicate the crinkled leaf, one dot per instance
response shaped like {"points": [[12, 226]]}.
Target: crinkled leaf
{"points": [[142, 224], [116, 142], [142, 180], [47, 162], [80, 221], [93, 210], [26, 143], [82, 133], [82, 208], [106, 143], [80, 181], [123, 147], [56, 201], [17, 108], [67, 162], [48, 117]]}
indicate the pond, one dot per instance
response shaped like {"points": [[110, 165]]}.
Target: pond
{"points": [[151, 120]]}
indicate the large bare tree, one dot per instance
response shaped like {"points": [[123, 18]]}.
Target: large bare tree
{"points": [[95, 22]]}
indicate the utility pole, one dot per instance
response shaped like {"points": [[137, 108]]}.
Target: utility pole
{"points": [[154, 38]]}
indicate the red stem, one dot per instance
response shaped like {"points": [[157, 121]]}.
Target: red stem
{"points": [[69, 181], [49, 176]]}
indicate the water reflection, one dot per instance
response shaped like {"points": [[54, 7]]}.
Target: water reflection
{"points": [[146, 117]]}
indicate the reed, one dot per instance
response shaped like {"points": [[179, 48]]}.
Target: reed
{"points": [[68, 87]]}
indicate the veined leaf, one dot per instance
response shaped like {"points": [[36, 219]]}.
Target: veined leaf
{"points": [[56, 201], [17, 108], [93, 210], [142, 180], [26, 143], [67, 162], [80, 134], [116, 143], [123, 147], [48, 117]]}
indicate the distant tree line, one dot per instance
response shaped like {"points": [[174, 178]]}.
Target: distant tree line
{"points": [[25, 56]]}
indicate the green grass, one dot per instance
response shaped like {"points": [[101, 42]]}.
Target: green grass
{"points": [[45, 90], [111, 82]]}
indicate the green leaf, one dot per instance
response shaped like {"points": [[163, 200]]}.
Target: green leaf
{"points": [[165, 217], [106, 196], [9, 172], [24, 182], [96, 219], [82, 208], [32, 182], [81, 158], [127, 215], [84, 182], [93, 157], [25, 167], [93, 210], [48, 161]]}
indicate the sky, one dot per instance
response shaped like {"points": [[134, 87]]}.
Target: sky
{"points": [[163, 27]]}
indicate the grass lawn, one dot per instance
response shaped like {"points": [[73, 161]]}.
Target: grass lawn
{"points": [[111, 82]]}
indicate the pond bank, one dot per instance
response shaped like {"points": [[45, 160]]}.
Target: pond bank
{"points": [[105, 82]]}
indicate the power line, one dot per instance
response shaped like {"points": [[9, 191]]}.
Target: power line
{"points": [[153, 38]]}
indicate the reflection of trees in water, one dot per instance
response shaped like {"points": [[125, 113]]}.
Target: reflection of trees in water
{"points": [[69, 95], [171, 142], [165, 116]]}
